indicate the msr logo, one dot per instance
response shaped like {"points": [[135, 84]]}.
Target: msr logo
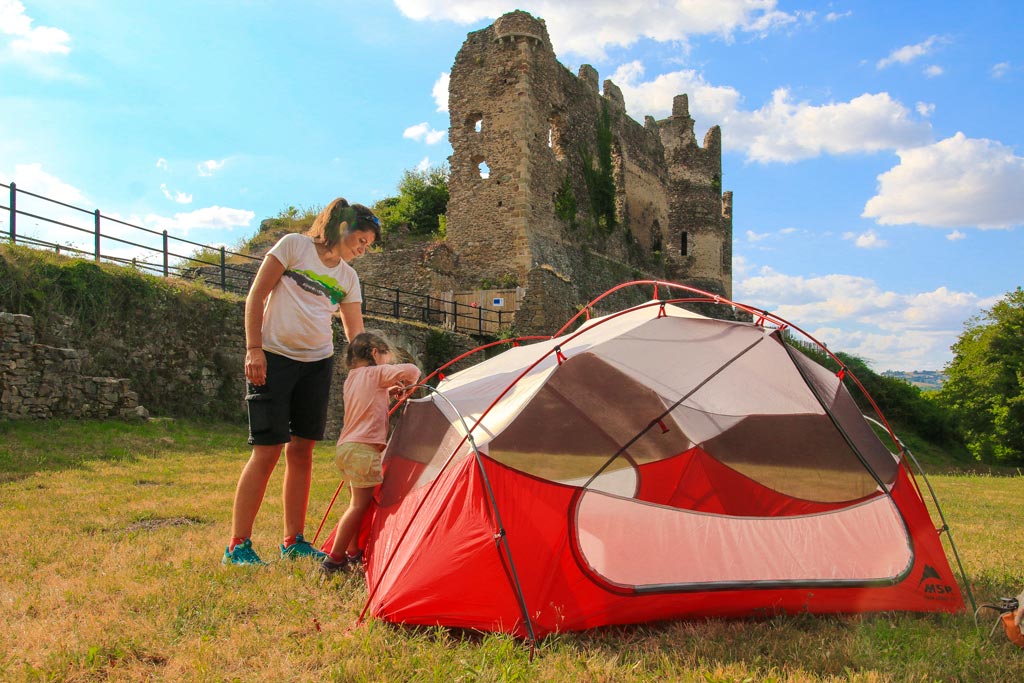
{"points": [[932, 585]]}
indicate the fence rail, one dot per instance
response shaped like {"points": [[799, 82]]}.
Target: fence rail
{"points": [[218, 267]]}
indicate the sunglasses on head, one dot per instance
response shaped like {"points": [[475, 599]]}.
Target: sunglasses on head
{"points": [[349, 216]]}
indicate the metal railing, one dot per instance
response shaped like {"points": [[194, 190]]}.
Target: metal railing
{"points": [[218, 267]]}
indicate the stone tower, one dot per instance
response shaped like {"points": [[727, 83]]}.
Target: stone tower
{"points": [[553, 186]]}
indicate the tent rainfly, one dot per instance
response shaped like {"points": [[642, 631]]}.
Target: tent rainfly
{"points": [[652, 464]]}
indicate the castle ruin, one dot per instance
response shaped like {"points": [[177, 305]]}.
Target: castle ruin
{"points": [[555, 188]]}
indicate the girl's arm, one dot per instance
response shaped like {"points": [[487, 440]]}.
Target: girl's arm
{"points": [[399, 373]]}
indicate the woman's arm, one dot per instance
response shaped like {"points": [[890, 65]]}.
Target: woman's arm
{"points": [[351, 318], [267, 277]]}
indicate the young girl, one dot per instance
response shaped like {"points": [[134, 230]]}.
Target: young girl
{"points": [[370, 380]]}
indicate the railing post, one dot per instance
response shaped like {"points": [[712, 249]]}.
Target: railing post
{"points": [[223, 271], [480, 320], [426, 311], [14, 213], [165, 253], [397, 310], [96, 221]]}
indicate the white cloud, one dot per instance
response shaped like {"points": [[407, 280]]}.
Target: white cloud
{"points": [[424, 165], [909, 53], [655, 97], [933, 71], [956, 236], [161, 163], [209, 218], [440, 91], [836, 16], [781, 130], [891, 330], [866, 240], [786, 131], [209, 167], [924, 109], [588, 28], [953, 183], [179, 197], [422, 132], [32, 178], [29, 40], [1001, 69], [768, 237]]}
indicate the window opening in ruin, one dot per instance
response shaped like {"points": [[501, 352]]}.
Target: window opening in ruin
{"points": [[479, 125], [485, 171], [555, 138], [683, 245], [475, 121]]}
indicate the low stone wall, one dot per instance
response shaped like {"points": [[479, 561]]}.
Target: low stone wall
{"points": [[39, 381]]}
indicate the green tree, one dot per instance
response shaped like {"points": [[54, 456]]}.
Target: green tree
{"points": [[422, 200], [985, 389]]}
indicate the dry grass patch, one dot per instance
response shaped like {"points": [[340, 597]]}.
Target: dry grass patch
{"points": [[110, 571]]}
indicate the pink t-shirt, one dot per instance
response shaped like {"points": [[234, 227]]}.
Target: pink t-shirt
{"points": [[366, 401]]}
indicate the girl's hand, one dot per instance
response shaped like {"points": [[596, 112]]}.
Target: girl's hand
{"points": [[256, 367]]}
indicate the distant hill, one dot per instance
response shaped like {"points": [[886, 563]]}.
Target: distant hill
{"points": [[926, 380]]}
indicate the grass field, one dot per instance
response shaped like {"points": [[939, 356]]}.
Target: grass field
{"points": [[110, 571]]}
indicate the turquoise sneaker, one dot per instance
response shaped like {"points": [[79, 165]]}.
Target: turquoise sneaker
{"points": [[301, 548], [242, 554]]}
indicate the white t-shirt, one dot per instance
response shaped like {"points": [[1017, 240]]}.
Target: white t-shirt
{"points": [[297, 315]]}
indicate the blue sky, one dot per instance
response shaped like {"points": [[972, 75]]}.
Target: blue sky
{"points": [[874, 148]]}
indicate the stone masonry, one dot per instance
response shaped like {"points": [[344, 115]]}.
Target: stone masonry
{"points": [[39, 381], [520, 124]]}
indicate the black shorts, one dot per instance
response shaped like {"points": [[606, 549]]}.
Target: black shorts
{"points": [[292, 402]]}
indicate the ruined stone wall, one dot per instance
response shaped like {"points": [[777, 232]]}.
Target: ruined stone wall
{"points": [[515, 108], [39, 381], [697, 205]]}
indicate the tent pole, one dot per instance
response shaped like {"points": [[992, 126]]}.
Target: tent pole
{"points": [[500, 537], [667, 412], [842, 432], [942, 518]]}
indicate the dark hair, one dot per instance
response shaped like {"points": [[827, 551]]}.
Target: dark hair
{"points": [[362, 345], [326, 228]]}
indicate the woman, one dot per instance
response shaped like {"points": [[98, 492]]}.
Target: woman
{"points": [[303, 281]]}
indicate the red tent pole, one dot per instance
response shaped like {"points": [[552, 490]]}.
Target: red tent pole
{"points": [[336, 492]]}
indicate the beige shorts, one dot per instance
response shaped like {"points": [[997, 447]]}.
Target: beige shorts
{"points": [[359, 464]]}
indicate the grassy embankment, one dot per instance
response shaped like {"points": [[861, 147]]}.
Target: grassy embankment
{"points": [[110, 570]]}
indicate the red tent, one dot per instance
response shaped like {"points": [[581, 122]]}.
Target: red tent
{"points": [[652, 464]]}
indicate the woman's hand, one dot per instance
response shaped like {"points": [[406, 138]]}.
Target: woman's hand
{"points": [[256, 367]]}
